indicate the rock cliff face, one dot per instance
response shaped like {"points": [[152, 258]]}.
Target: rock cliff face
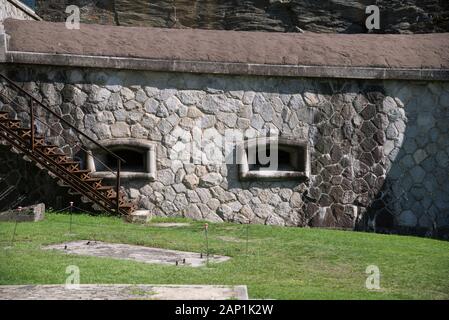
{"points": [[335, 16]]}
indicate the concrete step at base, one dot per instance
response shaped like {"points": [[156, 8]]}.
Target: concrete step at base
{"points": [[139, 216]]}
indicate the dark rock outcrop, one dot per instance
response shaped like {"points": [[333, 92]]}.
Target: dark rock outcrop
{"points": [[339, 16]]}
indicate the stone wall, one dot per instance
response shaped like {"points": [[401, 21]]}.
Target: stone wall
{"points": [[9, 10], [379, 149], [342, 16]]}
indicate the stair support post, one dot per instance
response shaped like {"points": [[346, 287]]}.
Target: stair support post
{"points": [[119, 163], [32, 124]]}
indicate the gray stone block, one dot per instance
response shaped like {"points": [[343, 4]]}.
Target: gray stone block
{"points": [[33, 213]]}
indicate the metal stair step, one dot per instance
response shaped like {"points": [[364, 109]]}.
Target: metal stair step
{"points": [[45, 146], [81, 171], [13, 120], [113, 196], [128, 208], [56, 155], [69, 162], [3, 115], [105, 188], [24, 133], [11, 124], [39, 141], [92, 180], [21, 129]]}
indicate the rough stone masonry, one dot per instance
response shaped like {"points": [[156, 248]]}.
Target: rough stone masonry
{"points": [[378, 149]]}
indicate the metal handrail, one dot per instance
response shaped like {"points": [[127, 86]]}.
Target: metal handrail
{"points": [[79, 144], [33, 100], [60, 118]]}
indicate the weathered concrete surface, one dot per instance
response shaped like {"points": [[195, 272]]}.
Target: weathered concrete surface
{"points": [[139, 216], [136, 253], [32, 213], [169, 224], [123, 292], [379, 51]]}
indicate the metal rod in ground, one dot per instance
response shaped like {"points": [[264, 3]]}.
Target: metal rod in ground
{"points": [[15, 227], [206, 227], [71, 213], [247, 246], [247, 238]]}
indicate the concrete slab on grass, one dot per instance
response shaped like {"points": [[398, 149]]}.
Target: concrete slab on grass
{"points": [[123, 292], [169, 224], [135, 253]]}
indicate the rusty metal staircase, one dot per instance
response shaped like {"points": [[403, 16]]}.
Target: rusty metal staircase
{"points": [[61, 166]]}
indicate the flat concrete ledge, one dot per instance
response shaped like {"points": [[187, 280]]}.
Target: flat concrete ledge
{"points": [[358, 56], [123, 292], [87, 61]]}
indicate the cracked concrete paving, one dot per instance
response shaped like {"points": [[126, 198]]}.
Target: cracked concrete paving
{"points": [[123, 292], [127, 291], [135, 253]]}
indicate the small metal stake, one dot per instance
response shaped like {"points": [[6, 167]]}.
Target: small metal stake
{"points": [[15, 227], [71, 212], [206, 227], [247, 238]]}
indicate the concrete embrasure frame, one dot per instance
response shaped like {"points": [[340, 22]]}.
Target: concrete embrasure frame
{"points": [[133, 144], [246, 174]]}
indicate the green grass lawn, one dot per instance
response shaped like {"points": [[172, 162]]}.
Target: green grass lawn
{"points": [[281, 263]]}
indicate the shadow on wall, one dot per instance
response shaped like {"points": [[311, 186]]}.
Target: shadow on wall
{"points": [[414, 198]]}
